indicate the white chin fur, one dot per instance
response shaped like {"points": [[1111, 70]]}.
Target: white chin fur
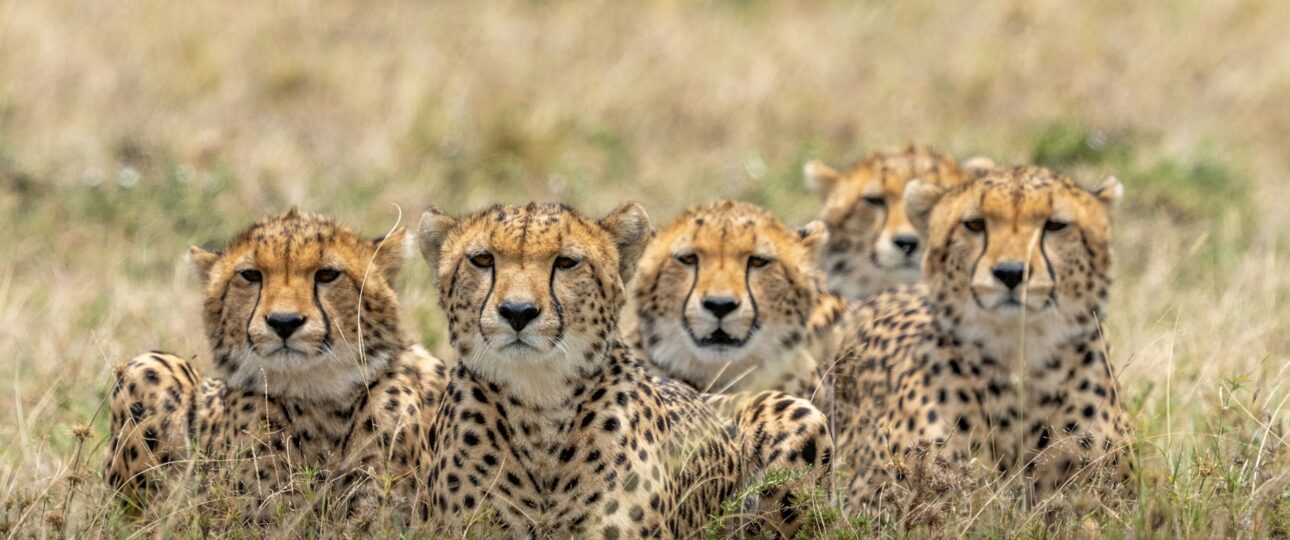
{"points": [[893, 259], [1009, 331], [328, 376], [998, 303], [716, 368], [536, 376]]}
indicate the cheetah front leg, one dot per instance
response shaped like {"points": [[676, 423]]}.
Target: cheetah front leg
{"points": [[387, 449], [787, 451], [153, 406], [1076, 447]]}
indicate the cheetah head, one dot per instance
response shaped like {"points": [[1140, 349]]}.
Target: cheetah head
{"points": [[872, 243], [725, 282], [533, 293], [300, 306], [1016, 245]]}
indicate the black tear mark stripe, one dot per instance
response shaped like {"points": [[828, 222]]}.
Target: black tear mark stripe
{"points": [[492, 281], [752, 300], [555, 299], [985, 247], [326, 342], [259, 291], [694, 282], [1043, 252]]}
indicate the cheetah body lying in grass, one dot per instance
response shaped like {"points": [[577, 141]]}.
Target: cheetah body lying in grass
{"points": [[1000, 359], [317, 389], [551, 426]]}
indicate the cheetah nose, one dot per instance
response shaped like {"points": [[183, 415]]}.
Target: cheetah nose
{"points": [[720, 305], [906, 243], [519, 314], [1009, 273], [284, 324]]}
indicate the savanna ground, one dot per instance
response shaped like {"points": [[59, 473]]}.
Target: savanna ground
{"points": [[129, 130]]}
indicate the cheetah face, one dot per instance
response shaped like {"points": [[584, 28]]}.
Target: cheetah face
{"points": [[724, 280], [533, 289], [300, 295], [1018, 241], [872, 243]]}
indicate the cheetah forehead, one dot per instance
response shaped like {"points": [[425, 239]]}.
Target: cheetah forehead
{"points": [[729, 227], [529, 231], [298, 238], [885, 173], [893, 168], [1021, 193]]}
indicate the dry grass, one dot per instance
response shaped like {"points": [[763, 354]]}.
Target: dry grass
{"points": [[130, 129]]}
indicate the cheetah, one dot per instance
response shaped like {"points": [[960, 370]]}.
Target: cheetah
{"points": [[551, 426], [1000, 359], [728, 298], [872, 243], [314, 373]]}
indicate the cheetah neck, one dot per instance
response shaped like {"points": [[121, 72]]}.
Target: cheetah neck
{"points": [[548, 383], [1037, 399], [1016, 342], [748, 371], [333, 376]]}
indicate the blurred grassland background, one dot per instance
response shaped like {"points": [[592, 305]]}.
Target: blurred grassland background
{"points": [[129, 130]]}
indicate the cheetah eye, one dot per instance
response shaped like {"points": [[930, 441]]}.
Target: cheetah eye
{"points": [[975, 225], [326, 275], [688, 259], [875, 201], [1054, 226], [482, 260], [251, 276], [757, 261], [566, 263]]}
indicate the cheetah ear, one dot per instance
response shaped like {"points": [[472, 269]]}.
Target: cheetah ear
{"points": [[1109, 191], [391, 250], [434, 229], [630, 227], [820, 178], [920, 197], [813, 235], [203, 261]]}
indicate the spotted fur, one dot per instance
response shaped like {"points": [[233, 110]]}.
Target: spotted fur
{"points": [[313, 373], [551, 426], [1001, 357], [724, 297], [872, 243]]}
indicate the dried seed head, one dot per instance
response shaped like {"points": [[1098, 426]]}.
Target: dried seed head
{"points": [[56, 520]]}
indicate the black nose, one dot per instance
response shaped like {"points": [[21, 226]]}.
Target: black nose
{"points": [[284, 324], [1010, 273], [720, 305], [519, 314], [906, 243]]}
